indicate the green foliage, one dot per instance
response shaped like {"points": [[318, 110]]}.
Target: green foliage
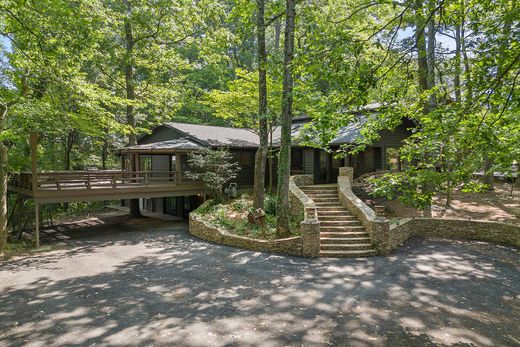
{"points": [[62, 72], [474, 187], [239, 103], [270, 204], [232, 216], [215, 167]]}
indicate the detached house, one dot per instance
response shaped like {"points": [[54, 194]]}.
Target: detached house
{"points": [[167, 147], [154, 170]]}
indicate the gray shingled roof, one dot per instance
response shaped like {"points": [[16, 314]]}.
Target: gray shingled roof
{"points": [[218, 136], [184, 144], [346, 134]]}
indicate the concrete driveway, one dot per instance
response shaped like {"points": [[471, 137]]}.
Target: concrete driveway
{"points": [[160, 286]]}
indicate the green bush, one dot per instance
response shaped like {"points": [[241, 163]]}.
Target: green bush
{"points": [[270, 204]]}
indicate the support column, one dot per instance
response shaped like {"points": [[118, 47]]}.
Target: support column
{"points": [[37, 225], [178, 172]]}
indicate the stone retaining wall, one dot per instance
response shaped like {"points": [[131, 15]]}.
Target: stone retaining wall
{"points": [[495, 232], [202, 229], [303, 205], [377, 227]]}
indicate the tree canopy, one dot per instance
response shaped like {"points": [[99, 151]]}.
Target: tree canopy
{"points": [[90, 75]]}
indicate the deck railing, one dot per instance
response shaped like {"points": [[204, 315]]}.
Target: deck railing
{"points": [[67, 180]]}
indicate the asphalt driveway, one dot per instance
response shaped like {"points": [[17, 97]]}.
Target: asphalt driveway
{"points": [[160, 286]]}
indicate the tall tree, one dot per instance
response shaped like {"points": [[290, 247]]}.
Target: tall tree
{"points": [[284, 162], [261, 153], [135, 211]]}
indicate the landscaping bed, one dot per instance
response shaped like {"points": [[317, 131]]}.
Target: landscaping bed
{"points": [[232, 217]]}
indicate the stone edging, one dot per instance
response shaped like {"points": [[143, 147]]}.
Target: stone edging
{"points": [[310, 227], [209, 232], [377, 227], [462, 229]]}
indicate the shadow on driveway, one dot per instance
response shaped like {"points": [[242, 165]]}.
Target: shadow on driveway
{"points": [[166, 287]]}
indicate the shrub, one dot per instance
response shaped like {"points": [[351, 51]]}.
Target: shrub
{"points": [[270, 204], [214, 167]]}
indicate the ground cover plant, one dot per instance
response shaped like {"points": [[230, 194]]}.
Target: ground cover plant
{"points": [[232, 217]]}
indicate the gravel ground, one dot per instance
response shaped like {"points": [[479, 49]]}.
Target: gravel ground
{"points": [[157, 285]]}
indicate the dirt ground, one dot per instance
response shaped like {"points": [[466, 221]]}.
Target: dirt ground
{"points": [[498, 205]]}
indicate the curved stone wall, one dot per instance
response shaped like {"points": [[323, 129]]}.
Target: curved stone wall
{"points": [[377, 227], [206, 231], [501, 233]]}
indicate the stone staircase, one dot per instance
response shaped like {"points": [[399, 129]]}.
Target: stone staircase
{"points": [[342, 234]]}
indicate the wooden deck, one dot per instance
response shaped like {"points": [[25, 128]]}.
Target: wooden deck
{"points": [[68, 186]]}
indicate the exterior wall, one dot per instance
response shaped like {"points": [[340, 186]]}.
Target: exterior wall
{"points": [[160, 163], [158, 205], [246, 174], [392, 138], [160, 133]]}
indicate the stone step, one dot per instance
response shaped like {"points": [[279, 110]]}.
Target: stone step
{"points": [[327, 203], [332, 199], [343, 240], [331, 208], [343, 228], [343, 234], [347, 246], [319, 188], [336, 223], [337, 218], [337, 213], [347, 254], [322, 195]]}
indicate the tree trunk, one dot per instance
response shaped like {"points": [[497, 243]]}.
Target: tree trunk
{"points": [[69, 143], [431, 49], [424, 74], [261, 153], [104, 150], [104, 155], [420, 42], [271, 158], [135, 211], [3, 181], [284, 163], [489, 177], [277, 32], [456, 77], [468, 89]]}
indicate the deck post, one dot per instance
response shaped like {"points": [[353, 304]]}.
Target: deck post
{"points": [[37, 225], [33, 139]]}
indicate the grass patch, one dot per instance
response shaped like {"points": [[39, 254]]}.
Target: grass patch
{"points": [[232, 216]]}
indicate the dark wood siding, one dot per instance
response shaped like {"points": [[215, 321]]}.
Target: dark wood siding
{"points": [[161, 133], [392, 138], [246, 161], [308, 161]]}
